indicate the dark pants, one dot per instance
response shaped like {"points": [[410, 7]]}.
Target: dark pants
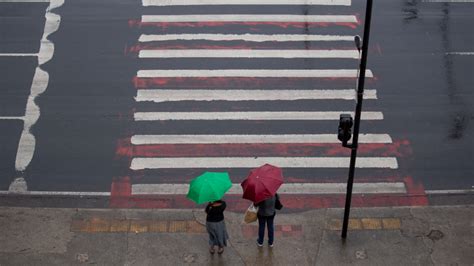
{"points": [[262, 220]]}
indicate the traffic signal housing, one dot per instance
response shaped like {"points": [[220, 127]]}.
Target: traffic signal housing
{"points": [[344, 131]]}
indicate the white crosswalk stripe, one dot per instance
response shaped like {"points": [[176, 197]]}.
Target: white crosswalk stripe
{"points": [[251, 162], [164, 95], [334, 115], [223, 139], [244, 2], [247, 53]]}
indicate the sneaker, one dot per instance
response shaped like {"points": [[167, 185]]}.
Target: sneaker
{"points": [[259, 244], [270, 245]]}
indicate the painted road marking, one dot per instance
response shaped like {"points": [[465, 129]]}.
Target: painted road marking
{"points": [[57, 193], [24, 1], [287, 188], [251, 18], [245, 2], [247, 53], [52, 3], [27, 143], [245, 37], [257, 150], [12, 118], [26, 146], [252, 162], [334, 115], [450, 191], [240, 139], [248, 95], [263, 73], [17, 54], [448, 1], [460, 53]]}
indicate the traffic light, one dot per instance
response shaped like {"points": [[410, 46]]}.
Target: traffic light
{"points": [[345, 127]]}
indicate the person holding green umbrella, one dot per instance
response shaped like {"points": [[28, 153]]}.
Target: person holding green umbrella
{"points": [[211, 187]]}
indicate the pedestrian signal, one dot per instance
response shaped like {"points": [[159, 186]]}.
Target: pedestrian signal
{"points": [[345, 127]]}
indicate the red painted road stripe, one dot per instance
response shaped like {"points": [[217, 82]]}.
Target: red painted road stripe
{"points": [[241, 82], [121, 198], [399, 149], [120, 192], [417, 191], [253, 26]]}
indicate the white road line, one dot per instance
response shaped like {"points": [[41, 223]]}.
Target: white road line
{"points": [[450, 191], [56, 193], [245, 37], [248, 95], [252, 162], [27, 142], [52, 3], [251, 18], [332, 115], [247, 53], [24, 1], [11, 118], [239, 139], [245, 2], [448, 1], [287, 188], [460, 53], [17, 54], [258, 73]]}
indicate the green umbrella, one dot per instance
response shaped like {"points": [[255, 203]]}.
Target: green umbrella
{"points": [[209, 186]]}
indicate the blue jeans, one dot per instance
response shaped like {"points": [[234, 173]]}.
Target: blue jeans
{"points": [[262, 220]]}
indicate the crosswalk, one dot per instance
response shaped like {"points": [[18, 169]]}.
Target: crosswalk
{"points": [[261, 91], [244, 2]]}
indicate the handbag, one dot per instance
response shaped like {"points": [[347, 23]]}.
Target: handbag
{"points": [[278, 204], [251, 214]]}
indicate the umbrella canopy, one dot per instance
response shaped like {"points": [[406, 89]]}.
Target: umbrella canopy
{"points": [[262, 183], [210, 186]]}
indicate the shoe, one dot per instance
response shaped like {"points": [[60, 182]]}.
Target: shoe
{"points": [[258, 244], [270, 245], [212, 250], [220, 250]]}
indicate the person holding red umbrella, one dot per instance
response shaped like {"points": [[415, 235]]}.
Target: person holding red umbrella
{"points": [[266, 215], [261, 187]]}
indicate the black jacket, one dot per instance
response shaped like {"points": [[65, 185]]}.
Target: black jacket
{"points": [[215, 213]]}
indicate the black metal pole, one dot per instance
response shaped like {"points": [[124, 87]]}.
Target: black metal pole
{"points": [[360, 97]]}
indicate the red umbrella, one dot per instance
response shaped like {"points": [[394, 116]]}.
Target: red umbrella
{"points": [[262, 183]]}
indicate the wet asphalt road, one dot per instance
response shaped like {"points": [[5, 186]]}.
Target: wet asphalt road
{"points": [[424, 88]]}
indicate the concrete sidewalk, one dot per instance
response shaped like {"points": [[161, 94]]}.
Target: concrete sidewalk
{"points": [[377, 236]]}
